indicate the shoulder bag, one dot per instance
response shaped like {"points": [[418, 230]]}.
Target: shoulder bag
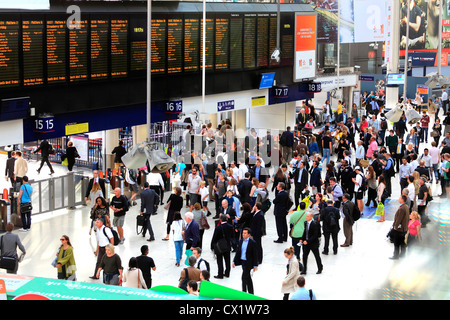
{"points": [[204, 222], [292, 226], [8, 263], [26, 207]]}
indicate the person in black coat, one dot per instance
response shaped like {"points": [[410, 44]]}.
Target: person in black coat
{"points": [[119, 152], [9, 168], [224, 230], [248, 259], [330, 225], [244, 187], [149, 202], [45, 148], [315, 180], [300, 181], [311, 241], [280, 211], [257, 227], [71, 154]]}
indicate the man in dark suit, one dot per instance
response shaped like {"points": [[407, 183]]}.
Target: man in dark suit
{"points": [[100, 181], [301, 119], [247, 257], [352, 130], [44, 147], [257, 226], [315, 181], [149, 201], [280, 212], [398, 153], [245, 186], [223, 231], [287, 143], [192, 231], [300, 181], [311, 241], [330, 225], [9, 169], [347, 210]]}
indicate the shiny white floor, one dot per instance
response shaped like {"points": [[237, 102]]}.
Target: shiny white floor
{"points": [[355, 273]]}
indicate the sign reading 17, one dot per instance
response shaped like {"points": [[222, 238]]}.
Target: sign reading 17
{"points": [[281, 92], [174, 106]]}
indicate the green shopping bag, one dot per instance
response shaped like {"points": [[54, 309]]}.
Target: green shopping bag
{"points": [[380, 209], [65, 162], [188, 254]]}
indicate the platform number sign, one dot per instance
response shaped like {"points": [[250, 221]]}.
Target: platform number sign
{"points": [[174, 106], [43, 125]]}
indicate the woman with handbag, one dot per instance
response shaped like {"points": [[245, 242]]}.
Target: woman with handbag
{"points": [[292, 273], [174, 204], [132, 277], [381, 195], [198, 214], [65, 262], [100, 210], [436, 132], [178, 227], [24, 204]]}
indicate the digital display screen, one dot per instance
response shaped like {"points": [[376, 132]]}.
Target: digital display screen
{"points": [[56, 51], [138, 45], [262, 42], [209, 44], [78, 47], [267, 80], [396, 78], [191, 44], [119, 48], [9, 53], [249, 42], [33, 57], [174, 45], [221, 47], [99, 48], [236, 27], [158, 57]]}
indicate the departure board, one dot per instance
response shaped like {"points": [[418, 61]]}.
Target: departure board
{"points": [[99, 48], [191, 44], [174, 45], [273, 37], [9, 53], [158, 49], [236, 25], [56, 51], [138, 45], [262, 41], [249, 42], [33, 58], [119, 48], [221, 41], [78, 50], [209, 44]]}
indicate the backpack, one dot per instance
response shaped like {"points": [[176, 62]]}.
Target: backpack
{"points": [[115, 235], [364, 183], [206, 263], [185, 281], [356, 213]]}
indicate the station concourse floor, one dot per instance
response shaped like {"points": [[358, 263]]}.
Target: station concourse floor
{"points": [[359, 272]]}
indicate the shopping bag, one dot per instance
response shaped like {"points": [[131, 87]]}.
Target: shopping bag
{"points": [[65, 162], [380, 209], [188, 254]]}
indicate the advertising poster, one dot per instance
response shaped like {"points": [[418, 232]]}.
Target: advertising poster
{"points": [[305, 46]]}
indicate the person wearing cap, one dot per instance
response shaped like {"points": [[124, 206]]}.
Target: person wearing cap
{"points": [[357, 180]]}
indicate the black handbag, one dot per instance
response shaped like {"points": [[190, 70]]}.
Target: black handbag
{"points": [[8, 263], [140, 222], [221, 245]]}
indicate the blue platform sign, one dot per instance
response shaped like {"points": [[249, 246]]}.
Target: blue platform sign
{"points": [[225, 105]]}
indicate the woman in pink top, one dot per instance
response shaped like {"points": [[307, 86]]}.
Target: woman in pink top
{"points": [[413, 235], [373, 146]]}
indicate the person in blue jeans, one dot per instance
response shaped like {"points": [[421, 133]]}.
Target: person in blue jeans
{"points": [[327, 143], [178, 226], [24, 204]]}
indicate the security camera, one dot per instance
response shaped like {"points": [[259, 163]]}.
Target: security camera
{"points": [[276, 55]]}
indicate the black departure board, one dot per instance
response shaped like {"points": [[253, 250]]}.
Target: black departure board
{"points": [[33, 58], [236, 25], [250, 41], [56, 51], [119, 48], [78, 50], [99, 48], [138, 45], [262, 41], [9, 53], [209, 44], [273, 37], [158, 49], [221, 41], [174, 45], [191, 44]]}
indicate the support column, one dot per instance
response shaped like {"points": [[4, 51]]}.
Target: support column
{"points": [[392, 93], [111, 141]]}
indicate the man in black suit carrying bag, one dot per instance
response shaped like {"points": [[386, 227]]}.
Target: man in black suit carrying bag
{"points": [[247, 257], [330, 225], [221, 245], [280, 211], [311, 242], [149, 201]]}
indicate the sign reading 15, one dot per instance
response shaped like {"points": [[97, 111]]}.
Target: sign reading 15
{"points": [[44, 124], [174, 106]]}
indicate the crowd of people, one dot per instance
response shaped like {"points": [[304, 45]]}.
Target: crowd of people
{"points": [[342, 169]]}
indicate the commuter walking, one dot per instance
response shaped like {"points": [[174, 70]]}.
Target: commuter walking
{"points": [[221, 245], [311, 241], [175, 203], [65, 263], [9, 242], [119, 151], [292, 273], [247, 257], [348, 208], [46, 150], [133, 276], [400, 228], [24, 204], [9, 169], [149, 201], [178, 226], [119, 204], [71, 154], [302, 293], [111, 265], [146, 264], [20, 168], [104, 238]]}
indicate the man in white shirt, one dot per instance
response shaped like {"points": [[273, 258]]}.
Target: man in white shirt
{"points": [[435, 153], [358, 184], [200, 263], [427, 158], [444, 98], [242, 170], [104, 237], [411, 191], [156, 183]]}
